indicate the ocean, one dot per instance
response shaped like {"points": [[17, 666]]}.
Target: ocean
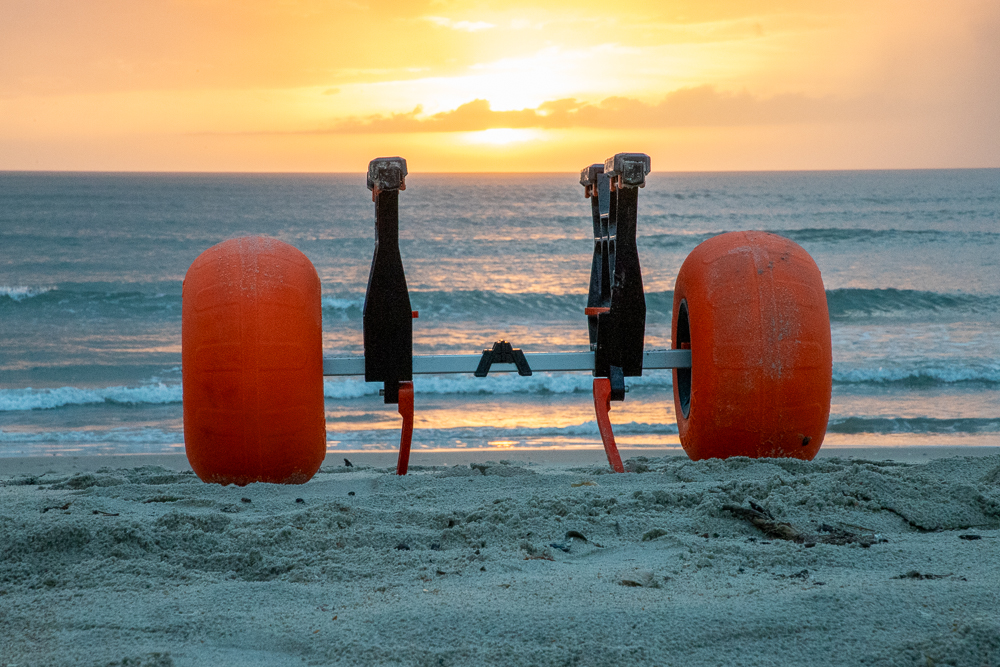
{"points": [[90, 299]]}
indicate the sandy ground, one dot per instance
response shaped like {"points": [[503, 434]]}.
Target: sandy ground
{"points": [[547, 561]]}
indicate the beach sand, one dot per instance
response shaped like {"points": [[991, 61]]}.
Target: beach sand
{"points": [[545, 559]]}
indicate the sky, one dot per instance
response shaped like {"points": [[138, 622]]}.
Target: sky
{"points": [[483, 86]]}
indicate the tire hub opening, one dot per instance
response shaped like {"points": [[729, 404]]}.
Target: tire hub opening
{"points": [[683, 377]]}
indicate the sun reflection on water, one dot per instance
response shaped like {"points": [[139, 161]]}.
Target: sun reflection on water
{"points": [[502, 444]]}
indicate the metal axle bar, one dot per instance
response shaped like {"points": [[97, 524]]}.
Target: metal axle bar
{"points": [[543, 361]]}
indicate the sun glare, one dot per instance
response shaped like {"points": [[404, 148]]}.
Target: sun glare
{"points": [[502, 444], [502, 136]]}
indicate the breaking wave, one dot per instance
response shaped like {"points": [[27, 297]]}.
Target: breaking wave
{"points": [[850, 303], [19, 293], [46, 399], [923, 377]]}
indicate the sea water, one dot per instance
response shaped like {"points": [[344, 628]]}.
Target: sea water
{"points": [[90, 299]]}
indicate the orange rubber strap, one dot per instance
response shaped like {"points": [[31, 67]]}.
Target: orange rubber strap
{"points": [[595, 311], [602, 405], [406, 435]]}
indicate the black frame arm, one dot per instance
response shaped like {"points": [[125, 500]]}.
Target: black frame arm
{"points": [[620, 330], [388, 318]]}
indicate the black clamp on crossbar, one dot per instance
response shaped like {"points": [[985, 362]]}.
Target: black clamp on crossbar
{"points": [[502, 353], [387, 173], [629, 168]]}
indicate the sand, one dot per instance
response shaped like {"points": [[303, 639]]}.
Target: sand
{"points": [[547, 561]]}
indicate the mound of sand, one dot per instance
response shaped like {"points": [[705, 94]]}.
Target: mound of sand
{"points": [[508, 564]]}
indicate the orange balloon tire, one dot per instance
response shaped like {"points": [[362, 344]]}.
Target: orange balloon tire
{"points": [[752, 308], [252, 364]]}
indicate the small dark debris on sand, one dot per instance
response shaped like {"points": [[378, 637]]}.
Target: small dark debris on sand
{"points": [[802, 575], [577, 535], [913, 574], [970, 537], [764, 521], [56, 507], [542, 556]]}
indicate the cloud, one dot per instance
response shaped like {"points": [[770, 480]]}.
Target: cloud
{"points": [[467, 26], [687, 107]]}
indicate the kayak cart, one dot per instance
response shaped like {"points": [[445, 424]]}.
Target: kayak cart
{"points": [[750, 352]]}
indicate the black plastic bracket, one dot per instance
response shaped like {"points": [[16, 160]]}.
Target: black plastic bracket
{"points": [[387, 318], [502, 353], [629, 169], [386, 173], [616, 303], [617, 378]]}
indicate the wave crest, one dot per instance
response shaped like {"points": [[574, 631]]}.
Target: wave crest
{"points": [[921, 377], [855, 303], [47, 399], [20, 292]]}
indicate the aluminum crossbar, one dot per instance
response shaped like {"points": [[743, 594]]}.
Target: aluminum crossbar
{"points": [[539, 362]]}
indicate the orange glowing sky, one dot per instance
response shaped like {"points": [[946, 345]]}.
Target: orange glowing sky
{"points": [[309, 85]]}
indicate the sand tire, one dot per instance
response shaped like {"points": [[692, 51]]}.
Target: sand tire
{"points": [[752, 308], [252, 354]]}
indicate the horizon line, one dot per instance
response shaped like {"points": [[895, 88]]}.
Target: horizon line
{"points": [[472, 173]]}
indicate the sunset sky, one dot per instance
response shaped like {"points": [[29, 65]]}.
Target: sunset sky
{"points": [[542, 85]]}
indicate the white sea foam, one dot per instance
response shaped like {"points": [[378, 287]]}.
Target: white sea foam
{"points": [[20, 292], [957, 372], [161, 392], [42, 399]]}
